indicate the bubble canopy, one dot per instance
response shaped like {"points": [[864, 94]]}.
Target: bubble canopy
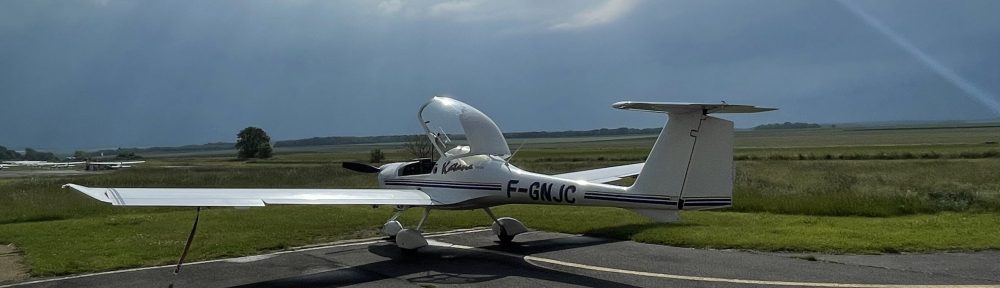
{"points": [[459, 130]]}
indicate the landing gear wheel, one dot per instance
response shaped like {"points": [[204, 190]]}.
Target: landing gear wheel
{"points": [[391, 228], [505, 239], [408, 239], [506, 228]]}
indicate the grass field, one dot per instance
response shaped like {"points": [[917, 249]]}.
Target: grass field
{"points": [[787, 203]]}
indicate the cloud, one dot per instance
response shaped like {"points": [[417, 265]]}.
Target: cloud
{"points": [[604, 14], [453, 7], [390, 6]]}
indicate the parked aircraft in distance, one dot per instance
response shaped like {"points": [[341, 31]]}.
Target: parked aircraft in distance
{"points": [[44, 164], [115, 165], [690, 167], [5, 166]]}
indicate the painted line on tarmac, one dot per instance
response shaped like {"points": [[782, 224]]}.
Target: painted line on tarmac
{"points": [[533, 260], [343, 243]]}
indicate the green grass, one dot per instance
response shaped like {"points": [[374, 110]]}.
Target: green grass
{"points": [[134, 240], [867, 188], [771, 232]]}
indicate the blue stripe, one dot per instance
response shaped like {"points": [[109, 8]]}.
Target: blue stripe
{"points": [[439, 181], [629, 200], [633, 196], [443, 183], [707, 204], [704, 201], [448, 186]]}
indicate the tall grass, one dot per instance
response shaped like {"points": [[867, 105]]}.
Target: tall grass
{"points": [[867, 188]]}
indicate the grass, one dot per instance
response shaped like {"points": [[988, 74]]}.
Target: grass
{"points": [[867, 188], [134, 240], [843, 205]]}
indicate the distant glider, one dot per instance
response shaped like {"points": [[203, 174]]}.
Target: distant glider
{"points": [[690, 167], [114, 165]]}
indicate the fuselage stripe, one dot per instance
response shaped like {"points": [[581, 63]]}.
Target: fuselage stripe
{"points": [[629, 200], [634, 196], [448, 186], [420, 182], [707, 200], [708, 204]]}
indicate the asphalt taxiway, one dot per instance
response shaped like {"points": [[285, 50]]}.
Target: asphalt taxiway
{"points": [[474, 258]]}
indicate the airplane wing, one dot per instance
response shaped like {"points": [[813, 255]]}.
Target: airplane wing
{"points": [[117, 163], [252, 197], [604, 175]]}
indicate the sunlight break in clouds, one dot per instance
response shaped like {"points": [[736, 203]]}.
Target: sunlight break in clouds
{"points": [[969, 88], [606, 13]]}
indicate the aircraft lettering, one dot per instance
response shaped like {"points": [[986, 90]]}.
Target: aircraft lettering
{"points": [[455, 166], [546, 192]]}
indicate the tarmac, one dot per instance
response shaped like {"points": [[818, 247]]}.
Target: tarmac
{"points": [[543, 259]]}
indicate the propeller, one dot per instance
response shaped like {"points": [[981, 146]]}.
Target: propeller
{"points": [[360, 167]]}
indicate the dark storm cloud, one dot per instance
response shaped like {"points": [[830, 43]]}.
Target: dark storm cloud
{"points": [[136, 73]]}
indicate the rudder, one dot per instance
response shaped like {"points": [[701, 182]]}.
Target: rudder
{"points": [[692, 159]]}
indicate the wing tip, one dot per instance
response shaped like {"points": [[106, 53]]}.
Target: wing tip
{"points": [[89, 191]]}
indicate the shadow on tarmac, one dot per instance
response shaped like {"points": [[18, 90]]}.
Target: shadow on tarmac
{"points": [[445, 265]]}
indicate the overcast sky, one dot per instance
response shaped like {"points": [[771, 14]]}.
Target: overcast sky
{"points": [[109, 73]]}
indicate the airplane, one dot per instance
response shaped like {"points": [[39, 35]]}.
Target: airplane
{"points": [[63, 164], [26, 163], [44, 164], [5, 166], [690, 167], [115, 165]]}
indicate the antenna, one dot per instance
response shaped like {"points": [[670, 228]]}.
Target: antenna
{"points": [[507, 161]]}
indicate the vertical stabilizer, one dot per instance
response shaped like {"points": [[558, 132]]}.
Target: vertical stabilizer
{"points": [[692, 160]]}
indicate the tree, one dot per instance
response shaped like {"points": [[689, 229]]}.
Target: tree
{"points": [[419, 146], [9, 154], [253, 142], [376, 156], [80, 155], [35, 155]]}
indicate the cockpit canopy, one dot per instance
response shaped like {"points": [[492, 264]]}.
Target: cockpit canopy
{"points": [[458, 130]]}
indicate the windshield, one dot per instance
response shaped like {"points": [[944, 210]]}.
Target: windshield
{"points": [[458, 129]]}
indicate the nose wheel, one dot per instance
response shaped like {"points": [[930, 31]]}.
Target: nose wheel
{"points": [[506, 227]]}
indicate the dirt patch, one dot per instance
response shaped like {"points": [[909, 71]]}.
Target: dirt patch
{"points": [[11, 265]]}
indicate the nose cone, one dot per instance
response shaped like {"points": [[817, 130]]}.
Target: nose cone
{"points": [[388, 171]]}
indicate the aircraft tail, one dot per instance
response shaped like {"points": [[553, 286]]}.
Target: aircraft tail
{"points": [[692, 160]]}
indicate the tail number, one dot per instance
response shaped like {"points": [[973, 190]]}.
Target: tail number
{"points": [[545, 192]]}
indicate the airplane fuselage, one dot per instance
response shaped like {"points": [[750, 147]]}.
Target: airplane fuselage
{"points": [[480, 181]]}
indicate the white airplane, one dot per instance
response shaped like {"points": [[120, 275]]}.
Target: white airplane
{"points": [[690, 167], [5, 166], [115, 165], [26, 163], [44, 164], [63, 164]]}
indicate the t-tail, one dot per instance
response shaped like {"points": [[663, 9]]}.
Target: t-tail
{"points": [[692, 160]]}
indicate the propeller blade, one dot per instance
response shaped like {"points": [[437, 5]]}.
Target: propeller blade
{"points": [[360, 167]]}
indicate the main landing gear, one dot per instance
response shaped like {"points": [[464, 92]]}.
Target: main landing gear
{"points": [[412, 239]]}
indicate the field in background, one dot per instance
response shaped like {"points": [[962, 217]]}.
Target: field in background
{"points": [[867, 196]]}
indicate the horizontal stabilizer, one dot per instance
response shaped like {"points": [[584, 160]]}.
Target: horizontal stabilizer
{"points": [[604, 175], [677, 107]]}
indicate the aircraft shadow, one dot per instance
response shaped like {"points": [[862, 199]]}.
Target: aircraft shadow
{"points": [[448, 266], [627, 231]]}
